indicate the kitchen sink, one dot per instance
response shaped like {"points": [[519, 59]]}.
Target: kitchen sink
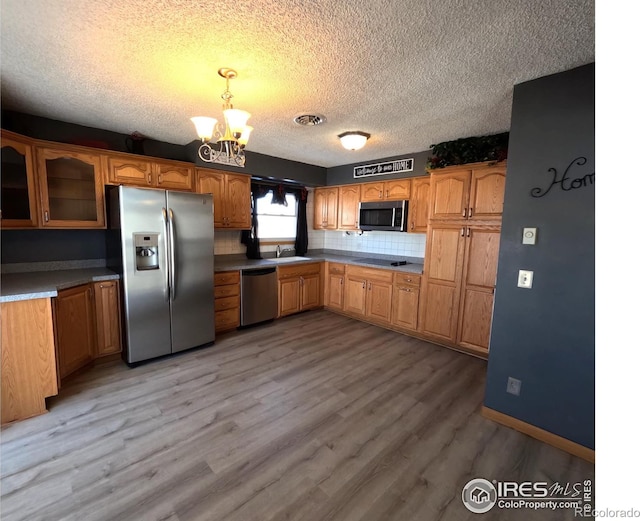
{"points": [[289, 259]]}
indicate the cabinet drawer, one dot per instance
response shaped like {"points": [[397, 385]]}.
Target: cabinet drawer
{"points": [[227, 319], [227, 303], [370, 273], [406, 279], [301, 270], [227, 277], [336, 269], [227, 291]]}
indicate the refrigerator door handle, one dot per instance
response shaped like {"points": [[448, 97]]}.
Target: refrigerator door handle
{"points": [[166, 253], [172, 250]]}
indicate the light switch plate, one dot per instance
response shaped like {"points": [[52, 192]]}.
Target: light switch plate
{"points": [[529, 235], [525, 279]]}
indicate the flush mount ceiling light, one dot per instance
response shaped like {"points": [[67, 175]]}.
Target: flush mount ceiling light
{"points": [[354, 140], [224, 144]]}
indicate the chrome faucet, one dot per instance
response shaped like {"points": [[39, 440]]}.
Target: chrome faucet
{"points": [[280, 251]]}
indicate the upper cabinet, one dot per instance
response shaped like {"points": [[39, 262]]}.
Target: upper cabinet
{"points": [[71, 188], [325, 208], [470, 193], [419, 204], [231, 197], [348, 207], [129, 169], [395, 190], [18, 189]]}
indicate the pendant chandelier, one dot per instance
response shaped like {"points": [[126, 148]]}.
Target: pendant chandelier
{"points": [[224, 144]]}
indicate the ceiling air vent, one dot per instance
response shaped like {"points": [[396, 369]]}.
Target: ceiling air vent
{"points": [[309, 120]]}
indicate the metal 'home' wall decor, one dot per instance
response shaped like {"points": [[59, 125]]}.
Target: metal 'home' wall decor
{"points": [[565, 182]]}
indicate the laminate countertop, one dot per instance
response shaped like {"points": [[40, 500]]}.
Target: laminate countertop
{"points": [[46, 284], [236, 262]]}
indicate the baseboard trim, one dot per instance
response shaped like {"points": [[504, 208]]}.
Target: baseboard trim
{"points": [[540, 434]]}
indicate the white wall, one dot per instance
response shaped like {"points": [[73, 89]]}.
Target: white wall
{"points": [[390, 243]]}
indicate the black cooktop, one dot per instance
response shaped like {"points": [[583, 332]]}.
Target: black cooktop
{"points": [[383, 262]]}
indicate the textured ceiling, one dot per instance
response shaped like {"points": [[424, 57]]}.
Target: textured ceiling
{"points": [[409, 72]]}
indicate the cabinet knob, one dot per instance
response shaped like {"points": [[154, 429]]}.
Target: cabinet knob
{"points": [[369, 286], [464, 212], [160, 179], [380, 194], [470, 212], [148, 178], [46, 216]]}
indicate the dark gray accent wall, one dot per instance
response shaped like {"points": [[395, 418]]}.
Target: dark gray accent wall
{"points": [[267, 167], [18, 246], [343, 175], [63, 132], [545, 336]]}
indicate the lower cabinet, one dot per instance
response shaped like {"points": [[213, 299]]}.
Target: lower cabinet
{"points": [[75, 333], [299, 288], [28, 354], [406, 296], [227, 300], [108, 332], [87, 324], [334, 298], [368, 293]]}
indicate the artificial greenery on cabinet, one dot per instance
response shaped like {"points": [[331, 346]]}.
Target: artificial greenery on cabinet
{"points": [[469, 150]]}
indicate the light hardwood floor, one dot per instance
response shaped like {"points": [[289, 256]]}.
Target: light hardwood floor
{"points": [[314, 417]]}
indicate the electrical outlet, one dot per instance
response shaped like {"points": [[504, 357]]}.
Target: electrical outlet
{"points": [[525, 279], [513, 386]]}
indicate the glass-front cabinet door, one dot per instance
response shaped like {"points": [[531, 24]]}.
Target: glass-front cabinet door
{"points": [[17, 185], [71, 188]]}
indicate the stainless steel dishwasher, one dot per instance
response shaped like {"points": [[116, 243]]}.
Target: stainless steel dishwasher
{"points": [[258, 295]]}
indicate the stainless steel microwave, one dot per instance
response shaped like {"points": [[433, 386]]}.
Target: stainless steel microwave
{"points": [[384, 215]]}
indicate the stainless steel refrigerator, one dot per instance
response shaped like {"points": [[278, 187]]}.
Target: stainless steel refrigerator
{"points": [[161, 242]]}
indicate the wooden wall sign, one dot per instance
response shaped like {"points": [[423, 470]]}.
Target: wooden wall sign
{"points": [[388, 167]]}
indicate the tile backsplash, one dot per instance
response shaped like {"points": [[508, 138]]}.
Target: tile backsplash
{"points": [[391, 243]]}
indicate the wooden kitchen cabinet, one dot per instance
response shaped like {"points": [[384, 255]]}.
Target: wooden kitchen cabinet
{"points": [[478, 287], [75, 333], [27, 351], [325, 202], [108, 317], [129, 169], [460, 268], [368, 293], [419, 204], [406, 298], [172, 175], [299, 288], [18, 187], [227, 300], [71, 188], [395, 190], [231, 197], [348, 207], [334, 294], [472, 192]]}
